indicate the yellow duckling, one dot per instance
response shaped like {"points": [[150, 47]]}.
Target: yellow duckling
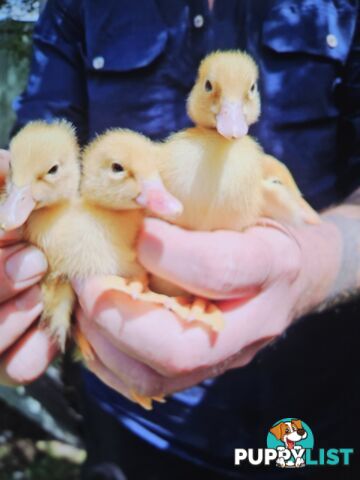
{"points": [[218, 172], [42, 186], [215, 169]]}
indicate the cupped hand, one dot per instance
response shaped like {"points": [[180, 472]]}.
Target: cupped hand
{"points": [[25, 350], [264, 278]]}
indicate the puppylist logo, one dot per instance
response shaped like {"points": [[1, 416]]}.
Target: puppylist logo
{"points": [[290, 437], [290, 444]]}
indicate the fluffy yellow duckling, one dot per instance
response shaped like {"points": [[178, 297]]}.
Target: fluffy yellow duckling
{"points": [[119, 181], [89, 234], [42, 186], [120, 176], [218, 172]]}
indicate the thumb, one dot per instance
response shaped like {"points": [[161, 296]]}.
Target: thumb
{"points": [[218, 265]]}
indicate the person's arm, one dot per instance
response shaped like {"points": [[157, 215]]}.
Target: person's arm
{"points": [[56, 88], [346, 217]]}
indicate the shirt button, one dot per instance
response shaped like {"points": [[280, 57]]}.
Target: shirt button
{"points": [[199, 21], [98, 63], [331, 40]]}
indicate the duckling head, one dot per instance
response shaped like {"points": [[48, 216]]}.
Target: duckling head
{"points": [[44, 171], [225, 95], [119, 172]]}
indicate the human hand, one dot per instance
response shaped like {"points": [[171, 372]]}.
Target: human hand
{"points": [[265, 277], [25, 349]]}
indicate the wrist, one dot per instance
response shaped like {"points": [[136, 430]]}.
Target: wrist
{"points": [[321, 252]]}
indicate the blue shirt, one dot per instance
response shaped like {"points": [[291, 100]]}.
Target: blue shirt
{"points": [[131, 64]]}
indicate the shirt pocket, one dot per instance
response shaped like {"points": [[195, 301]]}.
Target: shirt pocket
{"points": [[123, 37], [124, 49], [306, 44]]}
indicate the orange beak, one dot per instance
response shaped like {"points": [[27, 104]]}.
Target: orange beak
{"points": [[157, 199], [17, 207]]}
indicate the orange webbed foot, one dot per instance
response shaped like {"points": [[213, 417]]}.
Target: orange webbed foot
{"points": [[145, 402], [85, 350], [199, 310]]}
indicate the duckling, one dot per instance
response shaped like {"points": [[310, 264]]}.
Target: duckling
{"points": [[218, 172], [41, 187], [215, 169], [119, 181], [119, 178], [89, 234]]}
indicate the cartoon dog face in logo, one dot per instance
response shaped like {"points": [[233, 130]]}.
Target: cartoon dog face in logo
{"points": [[289, 432]]}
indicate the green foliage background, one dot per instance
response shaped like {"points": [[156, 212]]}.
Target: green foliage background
{"points": [[15, 48]]}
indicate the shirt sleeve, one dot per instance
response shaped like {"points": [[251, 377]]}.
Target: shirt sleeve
{"points": [[57, 83], [349, 132]]}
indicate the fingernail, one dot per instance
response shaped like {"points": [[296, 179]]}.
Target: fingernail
{"points": [[29, 299], [25, 265], [110, 319]]}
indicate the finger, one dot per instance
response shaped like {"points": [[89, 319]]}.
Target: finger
{"points": [[170, 346], [4, 164], [11, 237], [108, 377], [126, 374], [17, 315], [145, 332], [21, 267], [134, 374], [110, 309], [247, 354], [28, 359], [219, 264]]}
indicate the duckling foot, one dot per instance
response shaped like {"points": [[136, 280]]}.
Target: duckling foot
{"points": [[85, 350], [136, 288], [200, 310], [145, 402], [159, 398]]}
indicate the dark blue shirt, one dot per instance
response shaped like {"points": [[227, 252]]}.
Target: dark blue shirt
{"points": [[131, 64]]}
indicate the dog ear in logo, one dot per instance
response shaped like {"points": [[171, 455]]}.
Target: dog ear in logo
{"points": [[297, 424], [277, 431]]}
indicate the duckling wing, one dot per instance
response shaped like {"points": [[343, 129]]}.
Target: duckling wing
{"points": [[282, 199]]}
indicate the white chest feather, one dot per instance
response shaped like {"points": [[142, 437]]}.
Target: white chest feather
{"points": [[218, 181]]}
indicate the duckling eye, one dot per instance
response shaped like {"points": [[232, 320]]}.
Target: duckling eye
{"points": [[117, 168], [53, 170], [208, 86], [253, 88]]}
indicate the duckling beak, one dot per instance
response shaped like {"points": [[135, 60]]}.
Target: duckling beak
{"points": [[17, 207], [157, 199], [231, 121]]}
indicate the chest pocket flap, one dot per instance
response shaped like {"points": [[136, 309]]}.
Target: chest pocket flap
{"points": [[323, 27], [123, 36]]}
